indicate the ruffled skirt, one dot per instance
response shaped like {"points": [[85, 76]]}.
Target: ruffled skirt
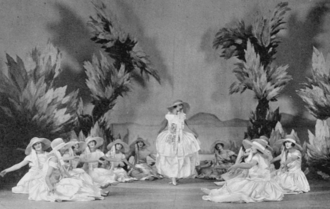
{"points": [[67, 189], [246, 190], [102, 177], [166, 146], [293, 182], [122, 176], [146, 172], [27, 181]]}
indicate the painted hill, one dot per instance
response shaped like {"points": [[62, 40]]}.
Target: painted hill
{"points": [[289, 120], [204, 119], [236, 122]]}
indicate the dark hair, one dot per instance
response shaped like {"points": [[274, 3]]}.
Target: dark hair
{"points": [[292, 144], [42, 145], [92, 141], [216, 146], [222, 145], [141, 142]]}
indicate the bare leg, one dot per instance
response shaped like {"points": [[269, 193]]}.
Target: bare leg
{"points": [[174, 181]]}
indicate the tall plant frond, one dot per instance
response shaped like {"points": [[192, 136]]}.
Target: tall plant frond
{"points": [[318, 148], [262, 34], [316, 91], [275, 141], [106, 84], [30, 104], [251, 74], [119, 45]]}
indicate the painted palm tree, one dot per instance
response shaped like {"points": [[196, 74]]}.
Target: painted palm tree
{"points": [[316, 95], [31, 105], [110, 75], [255, 47]]}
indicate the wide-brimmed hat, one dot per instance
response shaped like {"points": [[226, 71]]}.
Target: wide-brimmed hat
{"points": [[185, 106], [139, 139], [118, 141], [259, 144], [98, 141], [58, 144], [82, 145], [291, 138], [46, 144], [215, 144], [265, 141]]}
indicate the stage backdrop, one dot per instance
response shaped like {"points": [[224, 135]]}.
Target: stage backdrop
{"points": [[178, 36]]}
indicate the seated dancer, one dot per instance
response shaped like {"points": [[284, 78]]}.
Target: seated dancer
{"points": [[91, 158], [177, 149], [36, 157], [223, 160], [55, 184], [257, 186], [289, 175], [139, 149], [116, 151], [72, 159], [245, 155]]}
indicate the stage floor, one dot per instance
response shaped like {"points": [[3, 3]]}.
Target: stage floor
{"points": [[159, 194]]}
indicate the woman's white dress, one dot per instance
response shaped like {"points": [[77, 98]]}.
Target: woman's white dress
{"points": [[117, 167], [65, 188], [146, 171], [291, 178], [258, 186], [100, 176], [36, 162], [79, 173], [177, 150]]}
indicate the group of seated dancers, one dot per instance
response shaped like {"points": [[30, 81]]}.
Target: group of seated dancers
{"points": [[79, 171]]}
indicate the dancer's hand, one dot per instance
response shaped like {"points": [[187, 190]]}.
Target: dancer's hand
{"points": [[51, 188], [232, 167], [3, 173]]}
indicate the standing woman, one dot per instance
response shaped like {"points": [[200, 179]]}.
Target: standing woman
{"points": [[36, 157], [289, 175], [91, 158], [139, 149], [177, 149], [56, 184]]}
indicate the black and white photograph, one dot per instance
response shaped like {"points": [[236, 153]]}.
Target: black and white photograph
{"points": [[164, 104]]}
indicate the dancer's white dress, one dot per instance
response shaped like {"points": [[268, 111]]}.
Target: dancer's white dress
{"points": [[292, 179], [177, 150], [36, 162], [256, 187], [147, 171], [100, 176], [79, 173], [117, 167], [66, 188]]}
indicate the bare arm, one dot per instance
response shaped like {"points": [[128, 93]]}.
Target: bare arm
{"points": [[49, 173], [152, 156], [244, 165], [14, 167], [111, 159], [276, 159], [290, 160], [130, 164], [163, 126]]}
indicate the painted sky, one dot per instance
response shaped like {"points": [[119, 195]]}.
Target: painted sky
{"points": [[177, 35]]}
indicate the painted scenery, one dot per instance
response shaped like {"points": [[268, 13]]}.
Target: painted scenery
{"points": [[99, 93]]}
